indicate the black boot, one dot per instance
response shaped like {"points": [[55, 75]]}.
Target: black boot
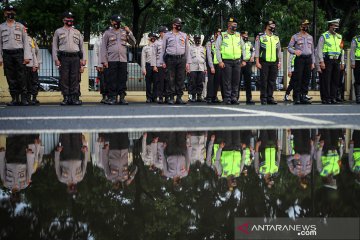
{"points": [[179, 100], [65, 101], [24, 101], [111, 100], [34, 101], [357, 93], [13, 101], [122, 100], [104, 99], [199, 98], [304, 100], [170, 101], [76, 100], [297, 99]]}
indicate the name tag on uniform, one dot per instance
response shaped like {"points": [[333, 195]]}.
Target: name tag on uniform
{"points": [[62, 35], [182, 41], [327, 36], [17, 27], [112, 38], [226, 36], [264, 39]]}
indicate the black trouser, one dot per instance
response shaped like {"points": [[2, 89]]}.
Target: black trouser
{"points": [[321, 85], [175, 75], [331, 138], [116, 140], [231, 79], [357, 78], [231, 139], [214, 81], [176, 143], [341, 87], [197, 79], [331, 76], [103, 82], [268, 75], [150, 82], [267, 138], [14, 70], [302, 72], [301, 141], [291, 85], [16, 146], [246, 72], [117, 78], [160, 82], [72, 144], [245, 135], [356, 138], [69, 75], [32, 81]]}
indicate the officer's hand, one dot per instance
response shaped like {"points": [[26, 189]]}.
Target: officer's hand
{"points": [[279, 65], [34, 69], [187, 67], [322, 65], [222, 145], [322, 143], [298, 52], [212, 137], [342, 66], [82, 69], [164, 65], [83, 62], [289, 74], [0, 64], [212, 70], [155, 69], [352, 65], [252, 59], [144, 135], [205, 71], [26, 61], [127, 29], [144, 72], [243, 63], [106, 65], [312, 66], [258, 65], [99, 69], [222, 65], [57, 63]]}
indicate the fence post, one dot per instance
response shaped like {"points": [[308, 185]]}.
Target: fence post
{"points": [[349, 74], [285, 67], [4, 88]]}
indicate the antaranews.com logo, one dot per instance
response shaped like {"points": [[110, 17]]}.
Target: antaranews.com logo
{"points": [[301, 230]]}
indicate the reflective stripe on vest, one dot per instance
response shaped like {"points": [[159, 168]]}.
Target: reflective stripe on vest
{"points": [[247, 54], [269, 165], [356, 157], [330, 164], [215, 61], [268, 48], [332, 44], [357, 48], [231, 46], [230, 162]]}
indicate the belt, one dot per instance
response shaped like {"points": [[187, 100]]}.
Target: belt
{"points": [[305, 56], [332, 57], [13, 51], [69, 54], [233, 60], [175, 56]]}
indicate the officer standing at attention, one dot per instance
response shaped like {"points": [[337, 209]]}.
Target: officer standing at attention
{"points": [[246, 71], [147, 54], [213, 70], [69, 55], [268, 59], [159, 71], [113, 57], [176, 58], [302, 45], [197, 69], [331, 60], [355, 64], [229, 50], [14, 53]]}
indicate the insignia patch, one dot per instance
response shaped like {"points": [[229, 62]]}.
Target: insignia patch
{"points": [[226, 36], [182, 41]]}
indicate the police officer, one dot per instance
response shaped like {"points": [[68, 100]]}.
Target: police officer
{"points": [[147, 54], [302, 45], [246, 71], [229, 52], [175, 57], [268, 59], [331, 60], [355, 64], [213, 70], [113, 56], [14, 53], [159, 71], [69, 55], [197, 69], [32, 68]]}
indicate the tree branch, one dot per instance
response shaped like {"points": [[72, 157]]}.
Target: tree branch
{"points": [[146, 6]]}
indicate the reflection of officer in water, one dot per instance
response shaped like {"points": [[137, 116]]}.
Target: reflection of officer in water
{"points": [[19, 160], [152, 147], [112, 152], [71, 157], [354, 155]]}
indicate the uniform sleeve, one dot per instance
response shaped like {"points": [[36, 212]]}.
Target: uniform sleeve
{"points": [[131, 39], [318, 155], [33, 56], [342, 61], [96, 54], [2, 165], [143, 58], [208, 55], [352, 51], [290, 66], [38, 54], [153, 55], [105, 161], [242, 164], [312, 51], [218, 48], [252, 51], [163, 50], [217, 163], [187, 50], [82, 47], [205, 67], [243, 48], [55, 47], [291, 46], [257, 47], [256, 162], [290, 164], [320, 49], [57, 164], [279, 52], [351, 159], [103, 50], [209, 152]]}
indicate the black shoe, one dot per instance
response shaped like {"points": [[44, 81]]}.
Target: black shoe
{"points": [[111, 101], [160, 101], [170, 101], [339, 100], [24, 101], [297, 102], [13, 101], [34, 101], [323, 102], [250, 102], [333, 101], [148, 100], [227, 102], [263, 102], [208, 101], [199, 98], [235, 102], [216, 100], [179, 101], [122, 101], [271, 102], [305, 101], [76, 100], [104, 99]]}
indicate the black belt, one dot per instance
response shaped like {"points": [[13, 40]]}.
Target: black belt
{"points": [[304, 56], [175, 56], [231, 60], [69, 54], [13, 51]]}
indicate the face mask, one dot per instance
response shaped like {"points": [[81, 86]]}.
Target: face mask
{"points": [[69, 23], [305, 29], [272, 29], [10, 16], [197, 42], [117, 25], [233, 28], [335, 29], [246, 39], [178, 27], [152, 40]]}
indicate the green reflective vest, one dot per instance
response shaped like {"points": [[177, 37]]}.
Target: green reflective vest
{"points": [[215, 61], [230, 162], [269, 165], [357, 48], [231, 46], [268, 47], [247, 54], [247, 156], [332, 44], [330, 164], [356, 157]]}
